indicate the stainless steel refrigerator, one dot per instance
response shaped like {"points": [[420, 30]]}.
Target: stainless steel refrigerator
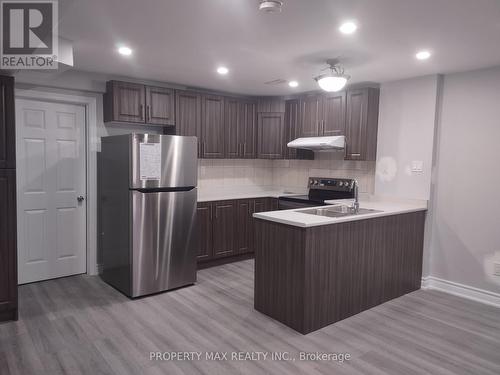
{"points": [[148, 212]]}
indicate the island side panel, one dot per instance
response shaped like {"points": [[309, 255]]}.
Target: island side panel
{"points": [[353, 266], [279, 272]]}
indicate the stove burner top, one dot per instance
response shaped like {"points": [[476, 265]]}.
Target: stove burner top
{"points": [[302, 199]]}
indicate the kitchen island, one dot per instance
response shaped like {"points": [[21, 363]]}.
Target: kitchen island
{"points": [[312, 271]]}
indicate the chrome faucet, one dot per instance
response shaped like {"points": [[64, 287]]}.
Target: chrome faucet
{"points": [[355, 204]]}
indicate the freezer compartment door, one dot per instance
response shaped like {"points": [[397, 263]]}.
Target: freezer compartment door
{"points": [[163, 161], [164, 240]]}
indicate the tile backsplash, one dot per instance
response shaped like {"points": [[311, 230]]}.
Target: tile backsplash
{"points": [[228, 173], [283, 174]]}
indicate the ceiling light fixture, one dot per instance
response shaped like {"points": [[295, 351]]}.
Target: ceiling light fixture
{"points": [[270, 6], [348, 27], [423, 55], [293, 83], [125, 51], [335, 80], [222, 70]]}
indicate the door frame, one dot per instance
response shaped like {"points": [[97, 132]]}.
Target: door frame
{"points": [[91, 148]]}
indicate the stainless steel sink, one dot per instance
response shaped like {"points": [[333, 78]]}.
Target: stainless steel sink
{"points": [[337, 211]]}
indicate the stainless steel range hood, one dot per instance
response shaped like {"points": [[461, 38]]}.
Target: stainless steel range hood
{"points": [[319, 143]]}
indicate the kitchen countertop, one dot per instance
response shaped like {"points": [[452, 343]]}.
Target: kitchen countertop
{"points": [[387, 206], [227, 194]]}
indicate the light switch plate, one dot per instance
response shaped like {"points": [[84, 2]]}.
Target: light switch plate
{"points": [[496, 268], [417, 166]]}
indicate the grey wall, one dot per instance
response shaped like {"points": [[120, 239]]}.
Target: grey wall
{"points": [[465, 237], [406, 134]]}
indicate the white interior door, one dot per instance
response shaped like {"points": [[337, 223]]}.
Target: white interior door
{"points": [[50, 151]]}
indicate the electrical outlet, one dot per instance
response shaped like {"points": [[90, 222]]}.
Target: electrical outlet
{"points": [[417, 166], [496, 268]]}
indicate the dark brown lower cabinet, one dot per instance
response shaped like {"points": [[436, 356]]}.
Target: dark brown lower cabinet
{"points": [[204, 216], [224, 225], [244, 232], [272, 204], [226, 228], [8, 250], [308, 278], [217, 229]]}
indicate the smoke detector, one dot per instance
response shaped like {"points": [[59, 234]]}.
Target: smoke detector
{"points": [[270, 6]]}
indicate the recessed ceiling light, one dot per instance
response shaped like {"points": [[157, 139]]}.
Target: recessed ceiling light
{"points": [[423, 55], [125, 51], [348, 27], [293, 83], [222, 70]]}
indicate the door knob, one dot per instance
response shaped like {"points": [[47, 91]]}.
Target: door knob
{"points": [[80, 198]]}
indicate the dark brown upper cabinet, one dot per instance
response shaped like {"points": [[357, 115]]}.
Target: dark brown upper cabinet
{"points": [[310, 114], [240, 128], [353, 113], [362, 124], [333, 116], [292, 120], [125, 102], [160, 108], [188, 114], [322, 114], [231, 125], [270, 104], [137, 103], [271, 135], [7, 123], [212, 126], [247, 126]]}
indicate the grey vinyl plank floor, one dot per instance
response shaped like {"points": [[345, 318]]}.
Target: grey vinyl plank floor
{"points": [[80, 325]]}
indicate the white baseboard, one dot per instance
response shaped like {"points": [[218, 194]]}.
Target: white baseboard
{"points": [[461, 290]]}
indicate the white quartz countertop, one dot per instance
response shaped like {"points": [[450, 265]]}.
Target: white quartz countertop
{"points": [[227, 194], [386, 206]]}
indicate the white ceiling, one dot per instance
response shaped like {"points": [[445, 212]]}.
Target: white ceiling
{"points": [[183, 41]]}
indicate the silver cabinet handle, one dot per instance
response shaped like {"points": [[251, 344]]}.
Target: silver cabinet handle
{"points": [[80, 198], [141, 111]]}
